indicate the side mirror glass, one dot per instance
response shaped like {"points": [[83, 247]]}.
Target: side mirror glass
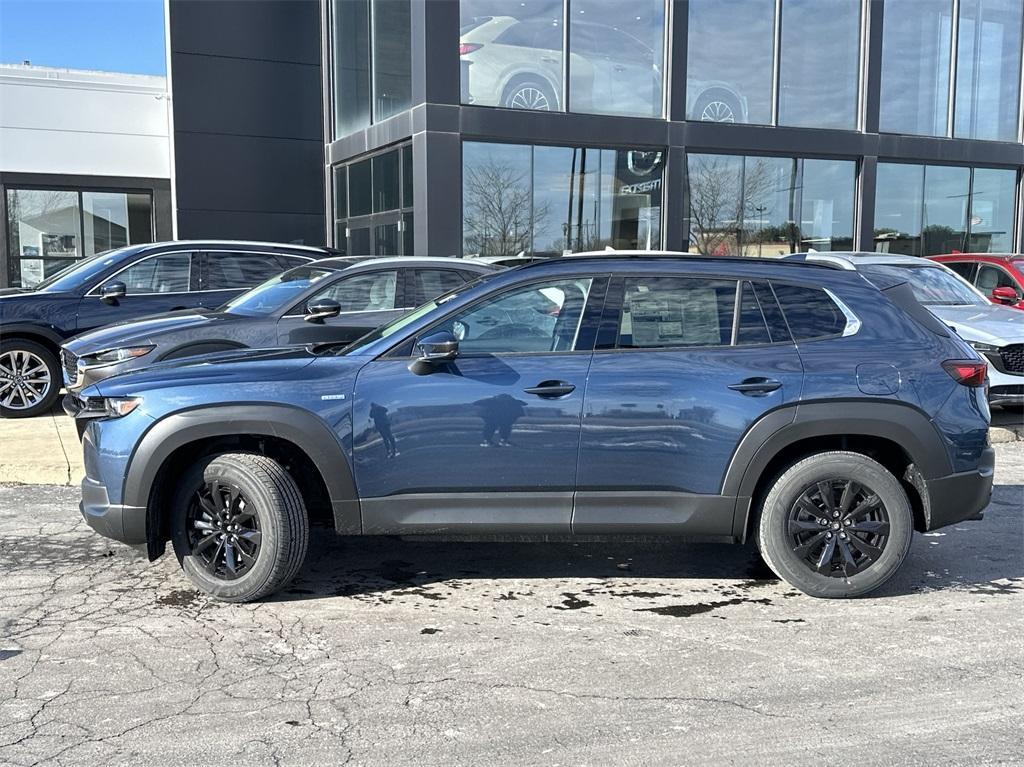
{"points": [[113, 291], [320, 309], [438, 347], [1005, 295]]}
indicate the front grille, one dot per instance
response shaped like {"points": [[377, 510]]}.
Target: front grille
{"points": [[69, 362], [1013, 358]]}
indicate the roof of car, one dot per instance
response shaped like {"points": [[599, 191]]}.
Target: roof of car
{"points": [[343, 262], [851, 260], [312, 249]]}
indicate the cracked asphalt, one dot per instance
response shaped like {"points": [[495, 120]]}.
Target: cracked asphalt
{"points": [[390, 652]]}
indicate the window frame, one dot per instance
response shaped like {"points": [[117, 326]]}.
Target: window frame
{"points": [[612, 317], [204, 261]]}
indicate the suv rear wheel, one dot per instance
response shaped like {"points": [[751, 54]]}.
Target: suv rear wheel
{"points": [[240, 528], [835, 524], [30, 378]]}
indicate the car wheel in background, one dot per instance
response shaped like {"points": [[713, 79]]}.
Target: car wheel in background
{"points": [[719, 107], [530, 94], [835, 524], [239, 526], [30, 378]]}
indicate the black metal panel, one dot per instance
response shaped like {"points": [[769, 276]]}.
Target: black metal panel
{"points": [[271, 30], [234, 97], [248, 120]]}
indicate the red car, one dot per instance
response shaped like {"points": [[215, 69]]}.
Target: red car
{"points": [[1000, 276]]}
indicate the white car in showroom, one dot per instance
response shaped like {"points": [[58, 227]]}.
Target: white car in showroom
{"points": [[995, 332]]}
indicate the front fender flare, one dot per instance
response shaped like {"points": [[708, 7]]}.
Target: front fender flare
{"points": [[305, 430]]}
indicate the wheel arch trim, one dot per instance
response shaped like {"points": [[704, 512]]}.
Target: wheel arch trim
{"points": [[303, 429], [31, 332], [900, 423]]}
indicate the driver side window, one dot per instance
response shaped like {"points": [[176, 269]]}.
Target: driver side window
{"points": [[542, 317], [374, 292]]}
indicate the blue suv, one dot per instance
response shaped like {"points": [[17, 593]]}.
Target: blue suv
{"points": [[711, 399], [118, 285]]}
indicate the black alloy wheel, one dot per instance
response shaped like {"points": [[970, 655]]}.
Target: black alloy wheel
{"points": [[223, 530], [838, 527]]}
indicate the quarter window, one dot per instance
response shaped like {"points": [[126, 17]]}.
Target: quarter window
{"points": [[810, 312], [169, 273], [542, 317]]}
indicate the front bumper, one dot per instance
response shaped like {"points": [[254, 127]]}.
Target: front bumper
{"points": [[112, 520], [1003, 387], [957, 497]]}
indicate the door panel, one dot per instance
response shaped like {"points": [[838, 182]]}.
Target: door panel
{"points": [[470, 427], [660, 425], [489, 437]]}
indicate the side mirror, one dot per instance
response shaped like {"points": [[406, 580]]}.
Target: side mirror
{"points": [[438, 347], [1005, 295], [113, 291], [321, 309]]}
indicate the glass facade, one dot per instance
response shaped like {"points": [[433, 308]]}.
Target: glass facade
{"points": [[722, 86], [927, 210], [551, 200], [47, 229], [372, 204], [916, 46], [819, 63], [371, 62], [769, 206], [512, 55], [934, 71]]}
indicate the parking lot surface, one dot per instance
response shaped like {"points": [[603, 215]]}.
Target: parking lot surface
{"points": [[395, 652]]}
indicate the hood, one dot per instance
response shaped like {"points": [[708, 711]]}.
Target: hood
{"points": [[245, 366], [992, 324], [145, 330]]}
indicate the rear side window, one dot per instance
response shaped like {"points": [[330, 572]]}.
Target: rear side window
{"points": [[777, 326], [752, 329], [234, 271], [288, 262], [431, 283], [809, 312], [676, 311]]}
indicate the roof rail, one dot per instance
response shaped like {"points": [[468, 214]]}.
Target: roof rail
{"points": [[680, 255]]}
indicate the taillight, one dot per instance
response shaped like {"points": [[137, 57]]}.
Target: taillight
{"points": [[966, 372], [465, 48]]}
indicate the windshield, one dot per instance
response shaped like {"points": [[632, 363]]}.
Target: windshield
{"points": [[406, 319], [74, 275], [932, 286], [276, 293]]}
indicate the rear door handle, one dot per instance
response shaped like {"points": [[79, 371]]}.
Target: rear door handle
{"points": [[551, 389], [756, 386]]}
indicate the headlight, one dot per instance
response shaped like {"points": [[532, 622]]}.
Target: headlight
{"points": [[107, 407], [980, 347], [117, 355]]}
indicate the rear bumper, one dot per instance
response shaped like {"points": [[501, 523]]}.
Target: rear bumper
{"points": [[112, 520], [957, 497]]}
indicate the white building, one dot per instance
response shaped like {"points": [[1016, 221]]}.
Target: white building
{"points": [[85, 165]]}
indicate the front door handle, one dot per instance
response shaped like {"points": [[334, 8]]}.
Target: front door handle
{"points": [[756, 387], [551, 389]]}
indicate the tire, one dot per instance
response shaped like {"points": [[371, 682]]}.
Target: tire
{"points": [[789, 536], [530, 93], [24, 365], [269, 504]]}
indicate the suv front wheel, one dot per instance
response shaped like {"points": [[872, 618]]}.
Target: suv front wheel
{"points": [[240, 528], [835, 524], [30, 378]]}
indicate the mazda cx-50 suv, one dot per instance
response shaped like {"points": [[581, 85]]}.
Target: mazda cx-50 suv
{"points": [[717, 399]]}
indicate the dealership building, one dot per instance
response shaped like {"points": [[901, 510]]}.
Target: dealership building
{"points": [[490, 127]]}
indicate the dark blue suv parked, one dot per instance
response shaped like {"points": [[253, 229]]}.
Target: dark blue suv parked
{"points": [[120, 285], [623, 394]]}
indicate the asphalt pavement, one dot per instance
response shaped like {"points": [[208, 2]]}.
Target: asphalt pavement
{"points": [[390, 652]]}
